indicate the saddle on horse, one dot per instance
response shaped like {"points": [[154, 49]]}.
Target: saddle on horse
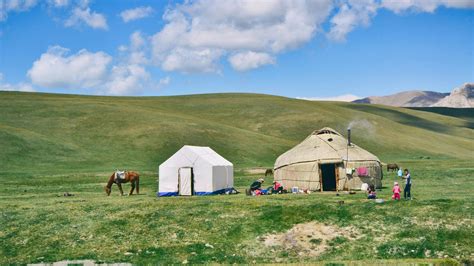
{"points": [[119, 176]]}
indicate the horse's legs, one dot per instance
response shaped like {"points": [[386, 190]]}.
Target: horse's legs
{"points": [[120, 188], [138, 186], [132, 183]]}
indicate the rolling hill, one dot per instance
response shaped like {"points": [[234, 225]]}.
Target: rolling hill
{"points": [[53, 133], [52, 144]]}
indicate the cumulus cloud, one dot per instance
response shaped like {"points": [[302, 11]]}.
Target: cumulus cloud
{"points": [[164, 81], [126, 80], [136, 13], [250, 60], [86, 16], [129, 76], [7, 6], [340, 98], [198, 34], [125, 75], [354, 13], [59, 3], [22, 86], [57, 69], [192, 60], [399, 6], [137, 49], [351, 14]]}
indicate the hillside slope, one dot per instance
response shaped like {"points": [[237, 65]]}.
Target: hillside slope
{"points": [[48, 133]]}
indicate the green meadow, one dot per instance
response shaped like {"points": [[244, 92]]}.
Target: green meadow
{"points": [[51, 144]]}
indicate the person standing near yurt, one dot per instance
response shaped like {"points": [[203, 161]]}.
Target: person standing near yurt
{"points": [[407, 190]]}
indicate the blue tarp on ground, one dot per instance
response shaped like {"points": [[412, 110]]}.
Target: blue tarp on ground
{"points": [[199, 193]]}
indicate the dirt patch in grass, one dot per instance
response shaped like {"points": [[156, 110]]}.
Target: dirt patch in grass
{"points": [[79, 263], [309, 239]]}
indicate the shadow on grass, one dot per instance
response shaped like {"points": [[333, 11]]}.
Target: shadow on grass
{"points": [[403, 118], [462, 113]]}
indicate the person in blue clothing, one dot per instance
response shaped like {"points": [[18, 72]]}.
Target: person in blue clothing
{"points": [[400, 173], [407, 190]]}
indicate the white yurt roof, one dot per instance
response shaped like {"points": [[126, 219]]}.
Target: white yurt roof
{"points": [[325, 145]]}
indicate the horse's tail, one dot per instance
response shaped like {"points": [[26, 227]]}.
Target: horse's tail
{"points": [[138, 184]]}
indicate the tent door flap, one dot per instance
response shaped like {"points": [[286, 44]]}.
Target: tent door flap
{"points": [[185, 181]]}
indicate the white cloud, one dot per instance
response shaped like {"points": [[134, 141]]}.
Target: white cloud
{"points": [[165, 81], [126, 75], [350, 15], [122, 48], [22, 86], [399, 6], [84, 15], [137, 49], [136, 40], [340, 98], [59, 3], [7, 6], [57, 69], [129, 75], [192, 60], [354, 13], [126, 80], [198, 33], [250, 60], [136, 13]]}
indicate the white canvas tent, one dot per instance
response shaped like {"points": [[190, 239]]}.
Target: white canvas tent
{"points": [[195, 170]]}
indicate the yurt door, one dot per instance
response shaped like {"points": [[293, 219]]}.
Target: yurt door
{"points": [[328, 172], [185, 181]]}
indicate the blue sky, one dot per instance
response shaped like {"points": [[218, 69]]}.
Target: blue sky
{"points": [[321, 49]]}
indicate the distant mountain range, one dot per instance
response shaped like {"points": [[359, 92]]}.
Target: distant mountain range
{"points": [[462, 97]]}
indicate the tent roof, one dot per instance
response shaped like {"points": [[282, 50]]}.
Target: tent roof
{"points": [[192, 153], [324, 144], [208, 154]]}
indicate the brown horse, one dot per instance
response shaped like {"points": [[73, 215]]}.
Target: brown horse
{"points": [[129, 176], [392, 166], [268, 172]]}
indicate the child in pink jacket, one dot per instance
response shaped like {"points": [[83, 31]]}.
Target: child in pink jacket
{"points": [[396, 191]]}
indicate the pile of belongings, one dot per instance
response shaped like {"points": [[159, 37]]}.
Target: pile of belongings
{"points": [[257, 190]]}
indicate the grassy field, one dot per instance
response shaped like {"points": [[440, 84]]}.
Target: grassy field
{"points": [[51, 144]]}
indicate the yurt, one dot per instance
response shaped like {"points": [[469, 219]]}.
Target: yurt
{"points": [[194, 170], [326, 161]]}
